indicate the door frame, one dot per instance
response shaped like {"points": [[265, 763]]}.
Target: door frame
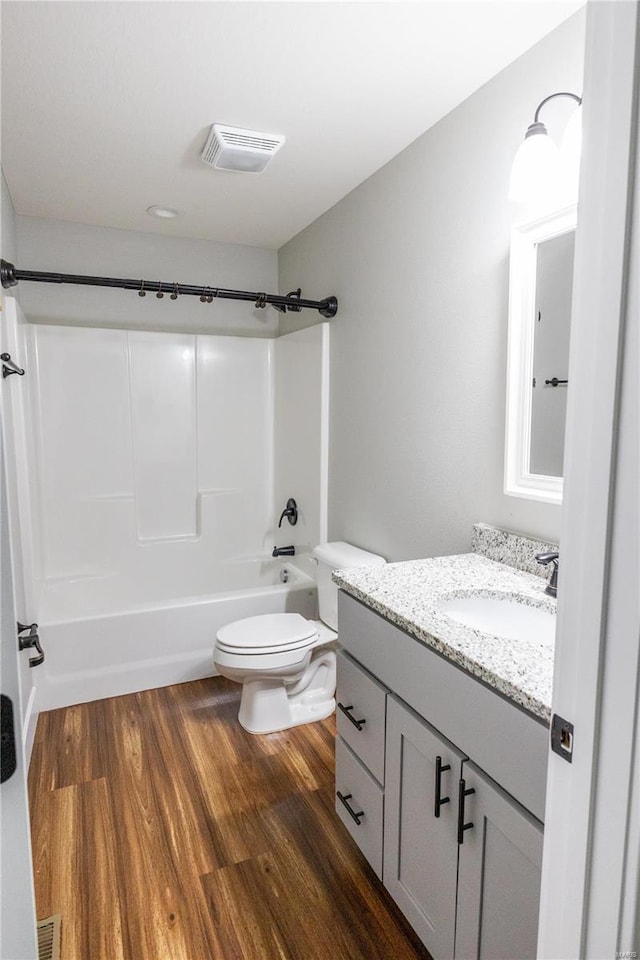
{"points": [[592, 830], [20, 480], [17, 896]]}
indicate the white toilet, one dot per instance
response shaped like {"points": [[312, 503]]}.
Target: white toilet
{"points": [[285, 663]]}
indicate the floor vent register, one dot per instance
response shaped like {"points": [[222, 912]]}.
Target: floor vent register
{"points": [[49, 938]]}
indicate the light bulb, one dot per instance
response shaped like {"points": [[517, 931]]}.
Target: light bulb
{"points": [[535, 166]]}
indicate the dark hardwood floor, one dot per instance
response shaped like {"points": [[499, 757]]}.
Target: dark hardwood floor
{"points": [[162, 831]]}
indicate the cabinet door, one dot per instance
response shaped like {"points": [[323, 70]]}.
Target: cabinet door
{"points": [[498, 875], [420, 849]]}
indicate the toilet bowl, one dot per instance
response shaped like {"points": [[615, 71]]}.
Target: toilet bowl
{"points": [[286, 663]]}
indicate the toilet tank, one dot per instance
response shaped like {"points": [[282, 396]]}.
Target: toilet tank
{"points": [[336, 556]]}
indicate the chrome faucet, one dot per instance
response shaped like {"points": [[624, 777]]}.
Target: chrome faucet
{"points": [[553, 558]]}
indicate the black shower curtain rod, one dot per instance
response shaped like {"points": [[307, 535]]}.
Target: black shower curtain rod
{"points": [[293, 301]]}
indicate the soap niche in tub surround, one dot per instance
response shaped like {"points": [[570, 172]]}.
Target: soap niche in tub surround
{"points": [[514, 549]]}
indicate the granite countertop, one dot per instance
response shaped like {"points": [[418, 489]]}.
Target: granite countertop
{"points": [[408, 594]]}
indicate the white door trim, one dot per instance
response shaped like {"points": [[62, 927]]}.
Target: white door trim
{"points": [[17, 898], [590, 802]]}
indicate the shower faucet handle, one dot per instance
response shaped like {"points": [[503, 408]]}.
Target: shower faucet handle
{"points": [[290, 512]]}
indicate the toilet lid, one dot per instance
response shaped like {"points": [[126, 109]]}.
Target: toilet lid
{"points": [[271, 632]]}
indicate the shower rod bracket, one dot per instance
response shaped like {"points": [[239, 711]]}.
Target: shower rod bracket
{"points": [[8, 274], [294, 301], [293, 307]]}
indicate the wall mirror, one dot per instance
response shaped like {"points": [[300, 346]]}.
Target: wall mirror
{"points": [[540, 284]]}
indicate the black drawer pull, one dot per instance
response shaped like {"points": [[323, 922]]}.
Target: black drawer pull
{"points": [[358, 724], [440, 769], [343, 800], [462, 826]]}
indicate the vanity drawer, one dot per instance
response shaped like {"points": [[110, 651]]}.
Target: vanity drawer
{"points": [[364, 797], [361, 703]]}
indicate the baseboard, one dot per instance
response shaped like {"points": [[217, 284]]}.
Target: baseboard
{"points": [[85, 686], [29, 724]]}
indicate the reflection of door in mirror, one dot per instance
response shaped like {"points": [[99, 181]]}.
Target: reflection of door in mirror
{"points": [[554, 278]]}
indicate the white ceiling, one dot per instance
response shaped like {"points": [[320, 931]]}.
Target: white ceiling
{"points": [[106, 105]]}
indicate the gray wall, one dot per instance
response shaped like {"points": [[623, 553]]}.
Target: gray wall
{"points": [[58, 245], [418, 257], [7, 223]]}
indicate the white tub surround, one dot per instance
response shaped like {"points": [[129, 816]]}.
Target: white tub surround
{"points": [[410, 594], [301, 436], [152, 470], [164, 460], [153, 460]]}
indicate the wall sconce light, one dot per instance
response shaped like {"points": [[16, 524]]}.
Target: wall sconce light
{"points": [[539, 170]]}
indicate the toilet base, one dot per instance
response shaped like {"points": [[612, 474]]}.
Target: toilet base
{"points": [[268, 706]]}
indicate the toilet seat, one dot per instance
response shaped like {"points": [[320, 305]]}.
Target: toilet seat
{"points": [[270, 633]]}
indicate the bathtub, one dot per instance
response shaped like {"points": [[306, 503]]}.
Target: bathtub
{"points": [[100, 642]]}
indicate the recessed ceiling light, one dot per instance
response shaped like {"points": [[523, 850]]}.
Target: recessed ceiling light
{"points": [[163, 213]]}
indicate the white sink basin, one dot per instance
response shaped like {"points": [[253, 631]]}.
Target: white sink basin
{"points": [[504, 617]]}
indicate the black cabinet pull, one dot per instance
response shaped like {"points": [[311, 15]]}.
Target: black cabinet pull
{"points": [[31, 640], [358, 724], [462, 826], [440, 769], [343, 800]]}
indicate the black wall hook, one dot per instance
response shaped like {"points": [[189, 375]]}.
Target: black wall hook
{"points": [[30, 640], [9, 367]]}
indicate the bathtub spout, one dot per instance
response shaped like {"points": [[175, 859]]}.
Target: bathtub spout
{"points": [[284, 551]]}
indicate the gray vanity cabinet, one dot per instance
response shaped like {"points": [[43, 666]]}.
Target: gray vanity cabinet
{"points": [[470, 894], [500, 860], [421, 855], [467, 900]]}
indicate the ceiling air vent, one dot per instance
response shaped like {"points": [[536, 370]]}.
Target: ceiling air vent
{"points": [[245, 151]]}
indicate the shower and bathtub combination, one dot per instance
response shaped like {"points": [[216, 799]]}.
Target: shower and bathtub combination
{"points": [[150, 473]]}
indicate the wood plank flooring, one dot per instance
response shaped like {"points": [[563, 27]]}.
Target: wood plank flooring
{"points": [[162, 831]]}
